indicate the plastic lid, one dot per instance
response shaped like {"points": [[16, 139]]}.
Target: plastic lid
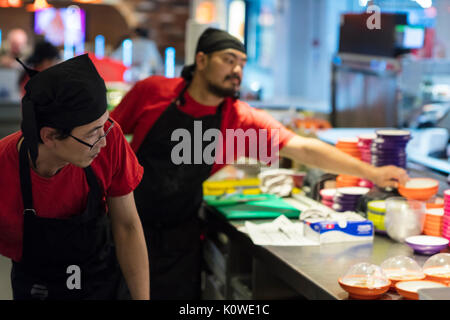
{"points": [[402, 268], [365, 275], [377, 206], [438, 265]]}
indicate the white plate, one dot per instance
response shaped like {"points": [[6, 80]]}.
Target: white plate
{"points": [[357, 191], [427, 240], [414, 286], [435, 212], [328, 193]]}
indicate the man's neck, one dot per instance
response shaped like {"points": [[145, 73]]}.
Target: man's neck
{"points": [[46, 164], [199, 92]]}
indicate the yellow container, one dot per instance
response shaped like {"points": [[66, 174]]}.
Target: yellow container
{"points": [[247, 186], [377, 219]]}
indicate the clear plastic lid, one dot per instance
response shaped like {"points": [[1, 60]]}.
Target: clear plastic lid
{"points": [[402, 268], [438, 265], [365, 275]]}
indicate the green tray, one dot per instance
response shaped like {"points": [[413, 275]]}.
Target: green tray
{"points": [[271, 207]]}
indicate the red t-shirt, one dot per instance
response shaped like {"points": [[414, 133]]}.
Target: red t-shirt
{"points": [[64, 194], [146, 101]]}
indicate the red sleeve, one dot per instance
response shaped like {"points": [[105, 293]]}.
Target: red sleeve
{"points": [[119, 168], [276, 135], [127, 112]]}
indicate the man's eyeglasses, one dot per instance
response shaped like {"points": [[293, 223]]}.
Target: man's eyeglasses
{"points": [[91, 146]]}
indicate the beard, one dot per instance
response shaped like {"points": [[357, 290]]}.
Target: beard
{"points": [[222, 92]]}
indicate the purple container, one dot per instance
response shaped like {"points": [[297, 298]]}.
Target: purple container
{"points": [[383, 160], [426, 248], [382, 164], [387, 148], [393, 134], [346, 204], [389, 154], [342, 208], [389, 144], [346, 197]]}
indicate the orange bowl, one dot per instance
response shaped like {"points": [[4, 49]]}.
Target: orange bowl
{"points": [[395, 280], [421, 189], [347, 178], [364, 293], [444, 278], [408, 289]]}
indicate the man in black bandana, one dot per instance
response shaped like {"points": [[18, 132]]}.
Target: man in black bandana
{"points": [[157, 111], [68, 218]]}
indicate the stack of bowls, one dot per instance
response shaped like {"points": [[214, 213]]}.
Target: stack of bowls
{"points": [[346, 199], [349, 146], [446, 216], [375, 212], [327, 196], [433, 222], [389, 148], [364, 144]]}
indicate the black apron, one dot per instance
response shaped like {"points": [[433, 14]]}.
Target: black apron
{"points": [[66, 259], [168, 200]]}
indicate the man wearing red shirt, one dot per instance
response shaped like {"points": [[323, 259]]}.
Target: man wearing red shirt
{"points": [[170, 194], [68, 219]]}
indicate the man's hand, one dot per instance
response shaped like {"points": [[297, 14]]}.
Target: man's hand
{"points": [[388, 176]]}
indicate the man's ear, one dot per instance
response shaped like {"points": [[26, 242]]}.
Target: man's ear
{"points": [[48, 135], [201, 60]]}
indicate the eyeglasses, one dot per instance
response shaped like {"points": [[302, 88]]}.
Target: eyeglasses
{"points": [[91, 146]]}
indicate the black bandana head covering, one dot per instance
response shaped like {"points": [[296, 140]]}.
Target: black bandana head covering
{"points": [[64, 96], [210, 41]]}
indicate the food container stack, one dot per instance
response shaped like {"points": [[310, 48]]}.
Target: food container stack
{"points": [[364, 144], [346, 199], [446, 216], [433, 222], [349, 146], [389, 148], [327, 196], [376, 211]]}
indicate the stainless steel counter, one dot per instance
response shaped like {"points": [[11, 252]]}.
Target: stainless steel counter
{"points": [[312, 272]]}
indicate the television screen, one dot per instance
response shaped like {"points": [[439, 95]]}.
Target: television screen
{"points": [[61, 26], [357, 38]]}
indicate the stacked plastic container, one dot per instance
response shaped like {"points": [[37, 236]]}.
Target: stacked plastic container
{"points": [[446, 216], [376, 211], [389, 148], [349, 146], [364, 144]]}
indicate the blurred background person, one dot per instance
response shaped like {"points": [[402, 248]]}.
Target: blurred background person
{"points": [[44, 56], [146, 59], [16, 46]]}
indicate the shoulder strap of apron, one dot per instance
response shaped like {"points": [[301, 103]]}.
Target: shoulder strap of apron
{"points": [[25, 178], [93, 182]]}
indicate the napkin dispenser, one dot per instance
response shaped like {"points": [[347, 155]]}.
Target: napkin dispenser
{"points": [[330, 227]]}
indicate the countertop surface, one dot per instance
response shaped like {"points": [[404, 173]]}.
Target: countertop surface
{"points": [[313, 271]]}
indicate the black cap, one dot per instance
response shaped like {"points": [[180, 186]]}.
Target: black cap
{"points": [[212, 40], [64, 96]]}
